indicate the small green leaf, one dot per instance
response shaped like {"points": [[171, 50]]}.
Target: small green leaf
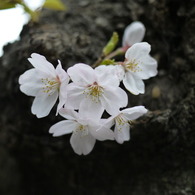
{"points": [[54, 4], [7, 5], [108, 62], [111, 44]]}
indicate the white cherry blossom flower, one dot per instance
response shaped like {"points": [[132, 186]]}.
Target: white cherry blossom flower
{"points": [[134, 33], [45, 83], [138, 66], [84, 130], [122, 121], [94, 90]]}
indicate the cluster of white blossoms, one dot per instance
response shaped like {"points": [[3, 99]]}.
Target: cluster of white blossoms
{"points": [[85, 93]]}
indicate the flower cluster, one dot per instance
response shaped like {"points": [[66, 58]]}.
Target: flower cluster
{"points": [[85, 93]]}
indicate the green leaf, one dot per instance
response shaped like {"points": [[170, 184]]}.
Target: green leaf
{"points": [[7, 5], [108, 62], [111, 44], [54, 4]]}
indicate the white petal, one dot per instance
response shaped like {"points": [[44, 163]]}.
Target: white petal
{"points": [[28, 75], [40, 63], [82, 74], [117, 70], [133, 33], [75, 96], [68, 114], [82, 144], [43, 104], [31, 82], [101, 69], [91, 109], [120, 72], [134, 84], [61, 73], [109, 122], [63, 127], [113, 99], [148, 68], [134, 112], [30, 89], [121, 133], [62, 96], [103, 133], [107, 75], [138, 51]]}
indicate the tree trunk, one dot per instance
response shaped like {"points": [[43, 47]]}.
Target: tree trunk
{"points": [[159, 158]]}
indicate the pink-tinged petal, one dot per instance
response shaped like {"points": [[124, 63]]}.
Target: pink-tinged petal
{"points": [[43, 104], [63, 127], [121, 132], [134, 33], [82, 144], [75, 96], [106, 76], [90, 109], [134, 112], [82, 74], [102, 133], [40, 63], [148, 68], [137, 51], [113, 99], [68, 113], [133, 84]]}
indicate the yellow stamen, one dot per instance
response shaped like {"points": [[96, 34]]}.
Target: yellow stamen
{"points": [[94, 92], [132, 66], [50, 85], [121, 121], [82, 130]]}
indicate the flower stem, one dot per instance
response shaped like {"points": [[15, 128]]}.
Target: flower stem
{"points": [[33, 14], [117, 52], [98, 61]]}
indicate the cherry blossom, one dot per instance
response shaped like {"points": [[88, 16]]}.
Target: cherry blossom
{"points": [[84, 130], [122, 121], [138, 66], [45, 83], [94, 90]]}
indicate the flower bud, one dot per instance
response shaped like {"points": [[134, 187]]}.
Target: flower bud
{"points": [[134, 33]]}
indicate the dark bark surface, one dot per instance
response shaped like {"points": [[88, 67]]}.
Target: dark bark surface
{"points": [[159, 158]]}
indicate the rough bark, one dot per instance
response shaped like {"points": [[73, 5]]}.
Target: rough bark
{"points": [[159, 158]]}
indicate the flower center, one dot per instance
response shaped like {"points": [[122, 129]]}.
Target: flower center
{"points": [[94, 92], [121, 121], [82, 130], [132, 66], [50, 85]]}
